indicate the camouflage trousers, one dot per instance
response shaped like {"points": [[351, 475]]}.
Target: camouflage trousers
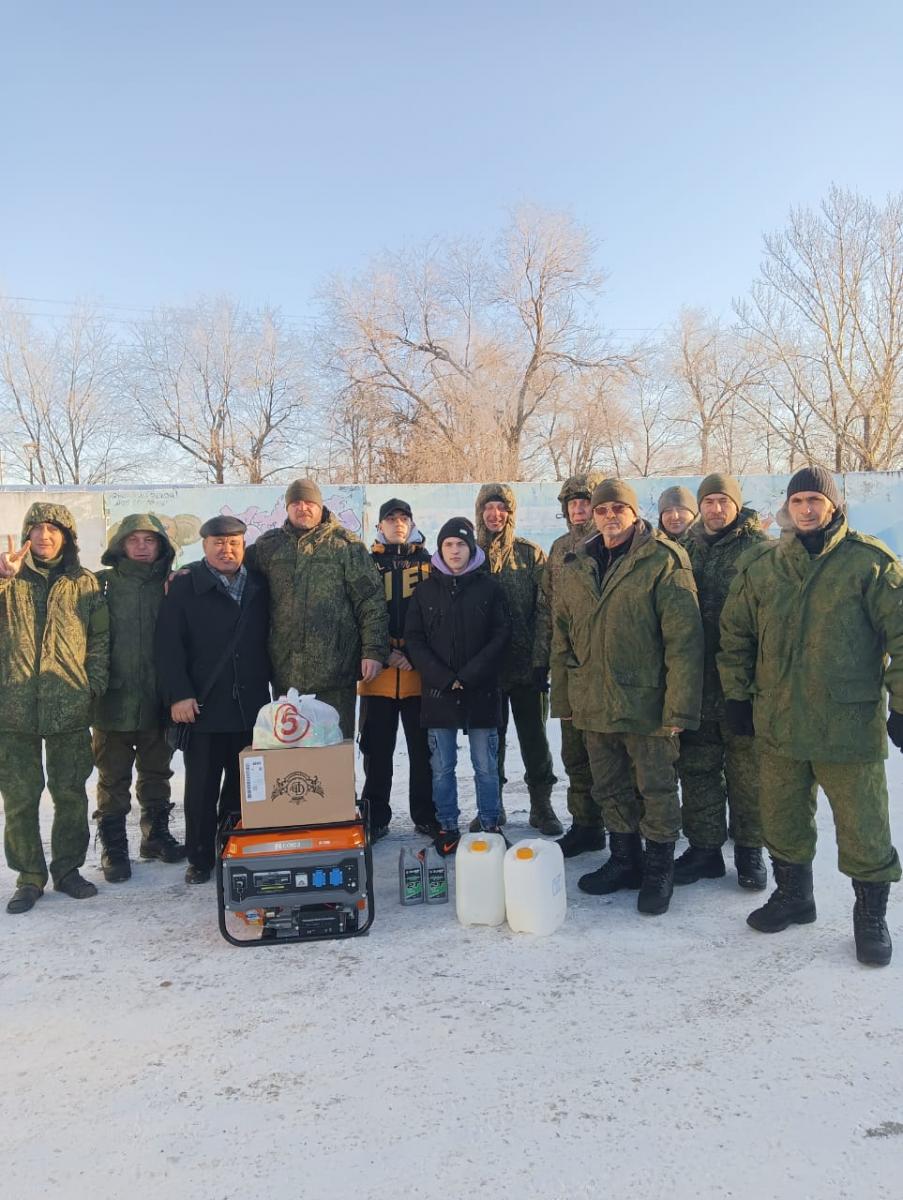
{"points": [[719, 771], [116, 754], [617, 760], [857, 793], [529, 709], [583, 808], [69, 763], [344, 701]]}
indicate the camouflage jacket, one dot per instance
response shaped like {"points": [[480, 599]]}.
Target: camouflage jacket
{"points": [[518, 564], [133, 592], [576, 485], [627, 656], [54, 639], [327, 605], [806, 639], [714, 566]]}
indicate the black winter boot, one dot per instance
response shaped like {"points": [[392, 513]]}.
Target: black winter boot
{"points": [[624, 868], [24, 898], [791, 903], [751, 873], [542, 815], [76, 886], [156, 840], [873, 944], [580, 838], [114, 858], [658, 878], [698, 862]]}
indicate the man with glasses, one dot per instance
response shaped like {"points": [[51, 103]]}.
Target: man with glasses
{"points": [[627, 652]]}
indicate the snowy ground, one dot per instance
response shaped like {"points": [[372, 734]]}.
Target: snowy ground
{"points": [[680, 1056]]}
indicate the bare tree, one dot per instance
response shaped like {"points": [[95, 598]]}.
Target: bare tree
{"points": [[223, 386], [62, 420], [827, 314], [465, 353]]}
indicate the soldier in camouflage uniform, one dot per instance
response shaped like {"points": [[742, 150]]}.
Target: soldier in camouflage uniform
{"points": [[806, 634], [129, 721], [677, 510], [54, 660], [519, 565], [328, 621], [717, 765], [627, 650], [587, 830]]}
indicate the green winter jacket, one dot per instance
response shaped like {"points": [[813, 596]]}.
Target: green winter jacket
{"points": [[576, 485], [714, 566], [54, 638], [627, 657], [327, 605], [519, 565], [133, 592], [807, 638]]}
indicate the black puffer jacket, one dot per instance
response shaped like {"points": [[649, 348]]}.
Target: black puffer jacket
{"points": [[458, 627], [196, 620]]}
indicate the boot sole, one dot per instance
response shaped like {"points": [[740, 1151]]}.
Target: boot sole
{"points": [[750, 885], [149, 857], [117, 876], [806, 918], [608, 890], [697, 877], [656, 911], [881, 960]]}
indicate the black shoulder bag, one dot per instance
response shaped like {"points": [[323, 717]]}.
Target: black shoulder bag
{"points": [[178, 733]]}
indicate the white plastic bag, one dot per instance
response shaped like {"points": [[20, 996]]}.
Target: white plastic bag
{"points": [[295, 720]]}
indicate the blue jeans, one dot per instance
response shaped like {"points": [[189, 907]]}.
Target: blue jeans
{"points": [[484, 751]]}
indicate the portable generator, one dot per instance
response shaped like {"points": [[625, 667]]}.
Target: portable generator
{"points": [[297, 884]]}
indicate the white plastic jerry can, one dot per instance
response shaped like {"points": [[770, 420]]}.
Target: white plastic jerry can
{"points": [[479, 879], [535, 895]]}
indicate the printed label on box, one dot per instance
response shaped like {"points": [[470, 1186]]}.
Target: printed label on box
{"points": [[255, 779]]}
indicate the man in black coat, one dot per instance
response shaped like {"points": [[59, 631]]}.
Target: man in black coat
{"points": [[213, 673], [456, 633]]}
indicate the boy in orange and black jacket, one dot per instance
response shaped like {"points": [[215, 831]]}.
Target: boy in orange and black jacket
{"points": [[402, 561]]}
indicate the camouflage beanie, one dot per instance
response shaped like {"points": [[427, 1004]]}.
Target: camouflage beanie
{"points": [[615, 491], [725, 485], [677, 497]]}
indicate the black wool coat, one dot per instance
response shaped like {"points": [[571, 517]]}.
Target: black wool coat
{"points": [[458, 628], [195, 623]]}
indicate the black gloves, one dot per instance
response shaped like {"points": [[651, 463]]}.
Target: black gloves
{"points": [[739, 718], [541, 678], [895, 728]]}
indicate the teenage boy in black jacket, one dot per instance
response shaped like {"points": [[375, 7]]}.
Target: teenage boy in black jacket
{"points": [[456, 633]]}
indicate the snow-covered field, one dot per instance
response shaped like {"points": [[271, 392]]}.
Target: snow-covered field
{"points": [[679, 1056]]}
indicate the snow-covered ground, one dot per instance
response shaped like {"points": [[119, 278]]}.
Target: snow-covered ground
{"points": [[679, 1056]]}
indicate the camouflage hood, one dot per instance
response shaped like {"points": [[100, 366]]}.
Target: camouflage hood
{"points": [[54, 514], [500, 542], [575, 487], [137, 523]]}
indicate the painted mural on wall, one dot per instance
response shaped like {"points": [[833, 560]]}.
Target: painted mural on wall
{"points": [[875, 503], [184, 509]]}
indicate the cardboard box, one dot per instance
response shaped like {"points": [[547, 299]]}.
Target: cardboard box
{"points": [[313, 785]]}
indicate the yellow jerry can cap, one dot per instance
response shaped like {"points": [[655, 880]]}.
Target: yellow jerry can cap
{"points": [[479, 846], [524, 852]]}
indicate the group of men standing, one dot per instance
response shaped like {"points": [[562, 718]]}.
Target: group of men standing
{"points": [[746, 668]]}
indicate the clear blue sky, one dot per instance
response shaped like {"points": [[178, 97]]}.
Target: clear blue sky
{"points": [[148, 154]]}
